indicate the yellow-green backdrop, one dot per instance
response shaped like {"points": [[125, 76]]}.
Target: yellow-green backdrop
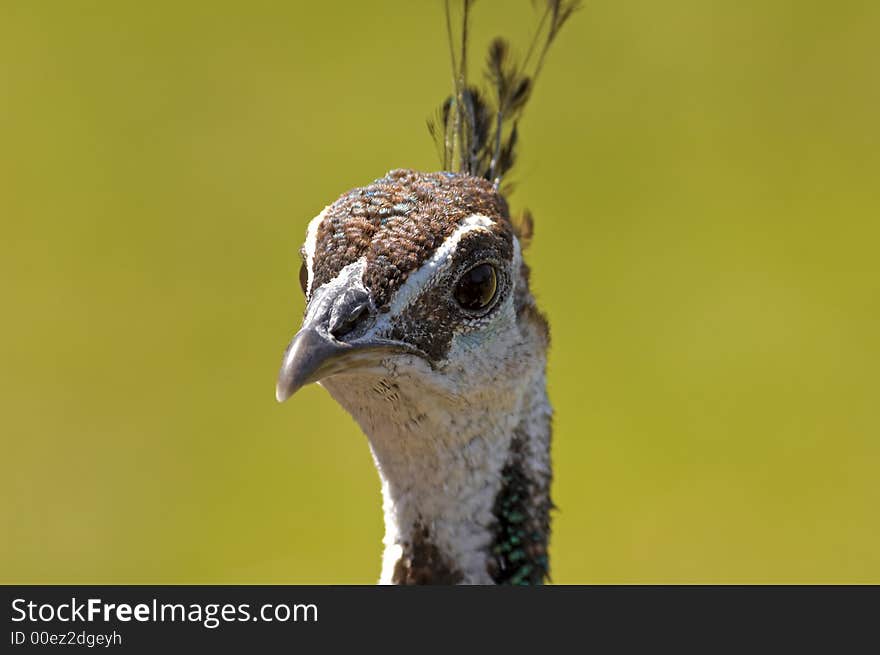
{"points": [[705, 178]]}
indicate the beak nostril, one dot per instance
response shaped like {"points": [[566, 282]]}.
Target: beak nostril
{"points": [[348, 323]]}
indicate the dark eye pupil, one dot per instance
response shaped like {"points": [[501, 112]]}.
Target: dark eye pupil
{"points": [[303, 277], [476, 288]]}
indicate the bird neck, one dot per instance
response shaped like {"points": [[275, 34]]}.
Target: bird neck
{"points": [[465, 482]]}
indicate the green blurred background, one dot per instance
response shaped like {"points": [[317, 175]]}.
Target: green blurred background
{"points": [[705, 178]]}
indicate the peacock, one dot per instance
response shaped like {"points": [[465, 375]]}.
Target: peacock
{"points": [[420, 323]]}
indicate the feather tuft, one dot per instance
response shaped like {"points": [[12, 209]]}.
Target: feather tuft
{"points": [[476, 131], [524, 227]]}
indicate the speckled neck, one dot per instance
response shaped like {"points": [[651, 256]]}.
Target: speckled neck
{"points": [[465, 490]]}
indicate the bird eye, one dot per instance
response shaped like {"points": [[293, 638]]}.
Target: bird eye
{"points": [[304, 277], [476, 288]]}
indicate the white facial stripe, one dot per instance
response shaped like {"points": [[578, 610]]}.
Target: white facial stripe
{"points": [[311, 243], [439, 262]]}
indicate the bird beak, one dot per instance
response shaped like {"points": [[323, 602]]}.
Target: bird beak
{"points": [[314, 355], [307, 359]]}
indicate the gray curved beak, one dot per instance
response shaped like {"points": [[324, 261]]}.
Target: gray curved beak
{"points": [[332, 340], [308, 358], [313, 356]]}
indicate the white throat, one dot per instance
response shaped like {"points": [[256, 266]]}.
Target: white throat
{"points": [[440, 460]]}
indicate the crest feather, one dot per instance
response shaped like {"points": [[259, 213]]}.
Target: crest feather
{"points": [[476, 130]]}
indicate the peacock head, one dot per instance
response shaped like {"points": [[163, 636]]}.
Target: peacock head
{"points": [[417, 277]]}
